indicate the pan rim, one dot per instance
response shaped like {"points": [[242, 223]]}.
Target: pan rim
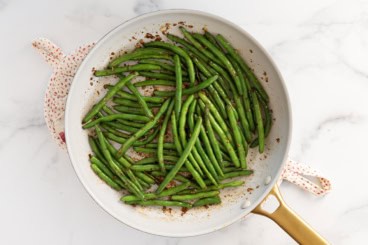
{"points": [[287, 141]]}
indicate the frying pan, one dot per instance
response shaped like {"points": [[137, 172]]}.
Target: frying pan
{"points": [[237, 202]]}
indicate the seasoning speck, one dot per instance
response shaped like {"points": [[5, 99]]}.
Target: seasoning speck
{"points": [[149, 35], [184, 211], [278, 140]]}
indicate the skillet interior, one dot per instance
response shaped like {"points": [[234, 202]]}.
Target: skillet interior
{"points": [[83, 94]]}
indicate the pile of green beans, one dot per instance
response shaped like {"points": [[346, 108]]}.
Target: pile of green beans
{"points": [[194, 138]]}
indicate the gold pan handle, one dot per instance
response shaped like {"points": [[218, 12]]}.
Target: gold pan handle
{"points": [[290, 222]]}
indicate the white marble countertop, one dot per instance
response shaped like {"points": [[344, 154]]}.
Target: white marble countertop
{"points": [[321, 49]]}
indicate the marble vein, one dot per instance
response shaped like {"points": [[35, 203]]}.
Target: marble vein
{"points": [[145, 6], [328, 124]]}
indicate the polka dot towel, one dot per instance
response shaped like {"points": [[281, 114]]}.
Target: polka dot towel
{"points": [[64, 68]]}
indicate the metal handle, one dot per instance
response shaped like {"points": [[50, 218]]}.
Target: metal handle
{"points": [[290, 222]]}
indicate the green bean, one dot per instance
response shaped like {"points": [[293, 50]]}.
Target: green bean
{"points": [[129, 103], [243, 118], [183, 117], [183, 157], [194, 196], [213, 139], [178, 177], [114, 131], [104, 168], [178, 51], [133, 124], [229, 184], [221, 91], [237, 174], [225, 140], [114, 117], [161, 203], [143, 130], [120, 126], [179, 149], [216, 115], [96, 151], [207, 201], [161, 136], [223, 60], [151, 150], [144, 185], [163, 65], [122, 161], [179, 86], [243, 82], [221, 71], [210, 151], [155, 82], [191, 112], [197, 45], [130, 110], [213, 89], [126, 95], [148, 139], [165, 193], [97, 107], [146, 167], [212, 39], [224, 155], [107, 110], [193, 156], [116, 169], [121, 140], [140, 99], [125, 164], [191, 90], [220, 186], [154, 167], [146, 178], [205, 163], [230, 169], [259, 122], [248, 112], [226, 164], [237, 136], [157, 75], [218, 101], [268, 118], [150, 160], [138, 53], [121, 69], [250, 75], [168, 146], [129, 174], [198, 151], [254, 143], [105, 178], [187, 46], [245, 144]]}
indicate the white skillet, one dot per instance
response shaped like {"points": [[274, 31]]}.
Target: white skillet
{"points": [[238, 202]]}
